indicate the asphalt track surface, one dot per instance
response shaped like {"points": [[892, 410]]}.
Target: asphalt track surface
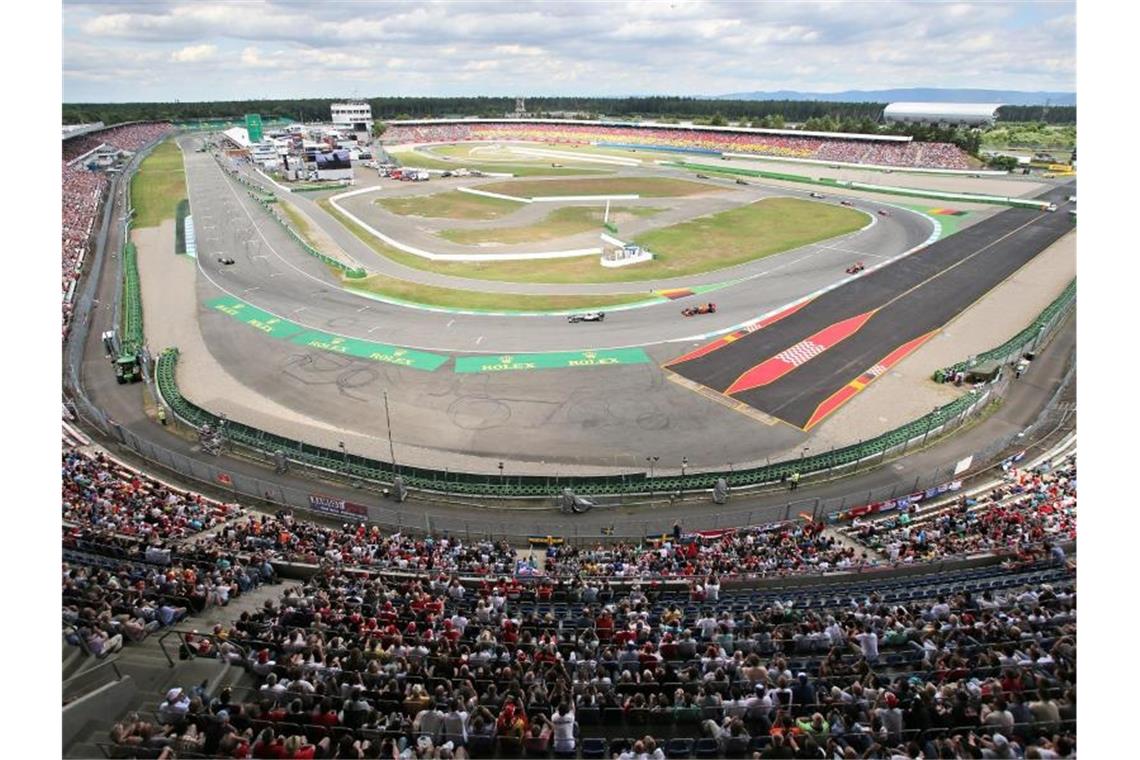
{"points": [[123, 403], [884, 310], [273, 274]]}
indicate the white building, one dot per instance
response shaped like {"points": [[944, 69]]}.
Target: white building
{"points": [[973, 114], [264, 153], [352, 117]]}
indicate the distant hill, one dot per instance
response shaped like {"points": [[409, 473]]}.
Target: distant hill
{"points": [[919, 94]]}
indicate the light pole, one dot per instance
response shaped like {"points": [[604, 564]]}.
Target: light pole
{"points": [[684, 465], [929, 424], [344, 452], [652, 461], [391, 448], [500, 473]]}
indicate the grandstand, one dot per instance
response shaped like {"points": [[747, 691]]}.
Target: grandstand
{"points": [[434, 646], [879, 150], [940, 629], [85, 190]]}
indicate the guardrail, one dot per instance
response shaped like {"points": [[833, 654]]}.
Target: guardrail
{"points": [[486, 485]]}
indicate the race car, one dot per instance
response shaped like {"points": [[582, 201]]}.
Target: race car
{"points": [[856, 268], [225, 260], [846, 203], [741, 181], [589, 316], [815, 195], [704, 308], [884, 212]]}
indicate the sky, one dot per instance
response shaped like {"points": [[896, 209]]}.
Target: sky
{"points": [[163, 51]]}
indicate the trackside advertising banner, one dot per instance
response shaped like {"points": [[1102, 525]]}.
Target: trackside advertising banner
{"points": [[903, 502], [331, 506]]}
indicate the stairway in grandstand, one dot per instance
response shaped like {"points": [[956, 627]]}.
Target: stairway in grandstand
{"points": [[95, 697]]}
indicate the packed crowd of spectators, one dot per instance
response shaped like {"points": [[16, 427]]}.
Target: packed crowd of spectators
{"points": [[384, 652], [779, 549], [103, 496], [122, 575], [286, 538], [83, 193], [351, 665], [853, 150], [1030, 509]]}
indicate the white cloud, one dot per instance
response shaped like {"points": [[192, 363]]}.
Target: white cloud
{"points": [[194, 53], [686, 47]]}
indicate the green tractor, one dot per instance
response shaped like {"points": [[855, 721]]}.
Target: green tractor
{"points": [[127, 369]]}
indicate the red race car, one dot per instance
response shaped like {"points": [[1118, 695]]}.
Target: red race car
{"points": [[692, 311], [856, 268]]}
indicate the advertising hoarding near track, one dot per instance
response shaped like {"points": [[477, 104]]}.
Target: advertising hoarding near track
{"points": [[333, 506]]}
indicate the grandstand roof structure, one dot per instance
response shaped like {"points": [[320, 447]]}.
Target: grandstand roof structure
{"points": [[947, 113]]}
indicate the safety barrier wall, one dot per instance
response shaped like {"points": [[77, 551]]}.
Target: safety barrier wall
{"points": [[317, 188], [1027, 339], [131, 336], [833, 462]]}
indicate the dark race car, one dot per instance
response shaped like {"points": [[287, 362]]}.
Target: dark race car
{"points": [[225, 260], [704, 308], [589, 316], [846, 203]]}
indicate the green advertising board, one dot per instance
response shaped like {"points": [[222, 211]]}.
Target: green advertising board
{"points": [[253, 126], [550, 360], [365, 349], [283, 329]]}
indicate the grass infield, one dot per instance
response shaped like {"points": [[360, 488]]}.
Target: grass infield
{"points": [[764, 228], [406, 290], [520, 168], [158, 186], [450, 205], [747, 233], [648, 187], [562, 222]]}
